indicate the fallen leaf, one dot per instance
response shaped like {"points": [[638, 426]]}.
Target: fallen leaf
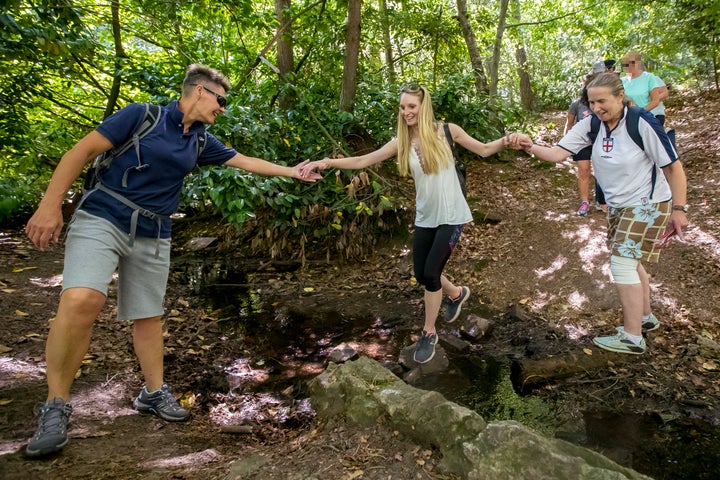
{"points": [[5, 349], [308, 289], [21, 313], [22, 269], [8, 290], [587, 351], [5, 401], [710, 365]]}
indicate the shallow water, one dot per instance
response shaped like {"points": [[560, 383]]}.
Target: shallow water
{"points": [[288, 345]]}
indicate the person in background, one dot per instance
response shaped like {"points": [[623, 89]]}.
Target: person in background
{"points": [[643, 205], [123, 223], [610, 65], [577, 111], [642, 87], [423, 152]]}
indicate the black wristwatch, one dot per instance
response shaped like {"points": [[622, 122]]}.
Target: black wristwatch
{"points": [[684, 208]]}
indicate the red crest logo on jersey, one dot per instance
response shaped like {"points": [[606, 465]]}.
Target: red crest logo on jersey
{"points": [[607, 144]]}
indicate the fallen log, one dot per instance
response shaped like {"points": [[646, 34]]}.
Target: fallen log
{"points": [[527, 374]]}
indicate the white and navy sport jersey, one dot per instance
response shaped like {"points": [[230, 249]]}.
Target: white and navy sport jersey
{"points": [[627, 174]]}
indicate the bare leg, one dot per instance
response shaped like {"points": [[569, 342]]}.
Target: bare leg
{"points": [[449, 289], [433, 300], [645, 282], [631, 297], [148, 343], [583, 176], [69, 338]]}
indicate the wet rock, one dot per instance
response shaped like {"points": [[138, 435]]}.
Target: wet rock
{"points": [[475, 327], [199, 243], [439, 363], [363, 391], [454, 343], [343, 353]]}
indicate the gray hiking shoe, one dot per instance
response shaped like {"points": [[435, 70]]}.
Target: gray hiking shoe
{"points": [[453, 308], [161, 403], [51, 435], [620, 343], [652, 323], [425, 349]]}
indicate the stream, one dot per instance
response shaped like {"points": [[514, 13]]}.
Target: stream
{"points": [[288, 345]]}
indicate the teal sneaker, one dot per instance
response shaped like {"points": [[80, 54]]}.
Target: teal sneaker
{"points": [[453, 307], [425, 349], [620, 343], [161, 403], [51, 435]]}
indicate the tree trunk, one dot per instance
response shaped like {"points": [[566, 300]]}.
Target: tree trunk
{"points": [[527, 374], [352, 50], [527, 96], [119, 54], [387, 44], [285, 59], [481, 84], [495, 60]]}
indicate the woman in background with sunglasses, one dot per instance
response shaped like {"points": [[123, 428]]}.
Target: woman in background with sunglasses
{"points": [[441, 211], [123, 223]]}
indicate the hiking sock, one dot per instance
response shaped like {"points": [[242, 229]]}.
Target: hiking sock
{"points": [[636, 339]]}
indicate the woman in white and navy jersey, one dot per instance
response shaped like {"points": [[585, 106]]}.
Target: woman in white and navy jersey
{"points": [[645, 188]]}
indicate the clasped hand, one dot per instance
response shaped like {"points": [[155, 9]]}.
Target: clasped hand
{"points": [[307, 168]]}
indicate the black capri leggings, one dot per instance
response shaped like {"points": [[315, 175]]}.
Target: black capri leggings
{"points": [[431, 251]]}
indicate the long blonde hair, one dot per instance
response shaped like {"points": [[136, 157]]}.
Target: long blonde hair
{"points": [[435, 150]]}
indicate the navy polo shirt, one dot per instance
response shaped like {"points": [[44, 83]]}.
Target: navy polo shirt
{"points": [[169, 155]]}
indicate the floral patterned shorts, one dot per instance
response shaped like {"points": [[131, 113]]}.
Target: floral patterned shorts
{"points": [[632, 231]]}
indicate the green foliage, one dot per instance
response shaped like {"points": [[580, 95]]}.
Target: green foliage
{"points": [[18, 198], [64, 72]]}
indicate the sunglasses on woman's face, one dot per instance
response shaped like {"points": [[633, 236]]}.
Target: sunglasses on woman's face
{"points": [[222, 101]]}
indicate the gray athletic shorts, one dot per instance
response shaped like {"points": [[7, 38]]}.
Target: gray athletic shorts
{"points": [[95, 249]]}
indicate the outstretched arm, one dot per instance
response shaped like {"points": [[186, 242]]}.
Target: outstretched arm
{"points": [[551, 154], [47, 221], [263, 167], [461, 137], [355, 163]]}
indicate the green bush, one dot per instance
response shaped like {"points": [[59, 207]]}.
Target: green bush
{"points": [[18, 199]]}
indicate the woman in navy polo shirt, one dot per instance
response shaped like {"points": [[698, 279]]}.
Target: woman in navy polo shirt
{"points": [[643, 204], [123, 223]]}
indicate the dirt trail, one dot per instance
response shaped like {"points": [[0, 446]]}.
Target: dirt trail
{"points": [[541, 256]]}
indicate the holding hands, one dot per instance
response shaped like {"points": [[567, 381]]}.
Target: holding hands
{"points": [[307, 168]]}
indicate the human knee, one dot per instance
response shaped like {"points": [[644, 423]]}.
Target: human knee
{"points": [[430, 282], [624, 270], [583, 170], [82, 300]]}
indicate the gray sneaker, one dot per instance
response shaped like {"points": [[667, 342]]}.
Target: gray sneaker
{"points": [[453, 307], [161, 403], [51, 435], [425, 349]]}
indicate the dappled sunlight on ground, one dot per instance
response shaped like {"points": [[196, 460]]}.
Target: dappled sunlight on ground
{"points": [[704, 240], [14, 371], [574, 332], [54, 281], [576, 300], [556, 265]]}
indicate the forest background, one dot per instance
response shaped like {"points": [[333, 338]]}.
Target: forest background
{"points": [[316, 78]]}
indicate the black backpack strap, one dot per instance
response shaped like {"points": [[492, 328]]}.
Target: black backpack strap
{"points": [[451, 142], [594, 127]]}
